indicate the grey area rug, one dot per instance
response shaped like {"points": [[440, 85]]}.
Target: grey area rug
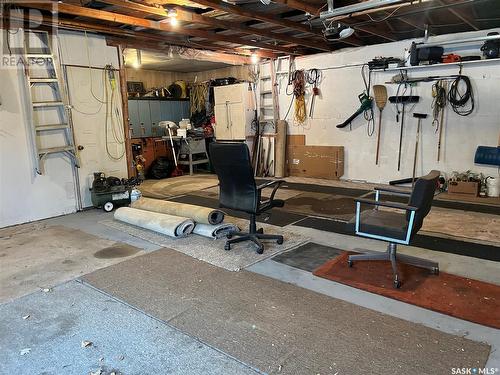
{"points": [[278, 327], [212, 251], [308, 256]]}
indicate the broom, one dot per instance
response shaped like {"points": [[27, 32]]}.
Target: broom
{"points": [[380, 94]]}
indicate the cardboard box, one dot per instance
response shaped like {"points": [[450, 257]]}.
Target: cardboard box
{"points": [[463, 188], [316, 161]]}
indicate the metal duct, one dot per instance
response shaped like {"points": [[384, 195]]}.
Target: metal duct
{"points": [[332, 12]]}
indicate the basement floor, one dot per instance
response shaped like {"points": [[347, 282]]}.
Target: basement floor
{"points": [[51, 322]]}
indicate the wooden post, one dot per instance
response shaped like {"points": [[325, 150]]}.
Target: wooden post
{"points": [[124, 93]]}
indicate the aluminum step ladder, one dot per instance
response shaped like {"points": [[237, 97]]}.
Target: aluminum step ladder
{"points": [[46, 75], [269, 113]]}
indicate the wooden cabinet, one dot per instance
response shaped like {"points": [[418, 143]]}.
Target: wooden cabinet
{"points": [[234, 111]]}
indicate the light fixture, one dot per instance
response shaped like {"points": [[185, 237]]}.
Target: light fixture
{"points": [[360, 6], [172, 16], [138, 60], [254, 58], [337, 32]]}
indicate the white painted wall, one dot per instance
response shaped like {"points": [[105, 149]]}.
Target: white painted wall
{"points": [[340, 88], [25, 196]]}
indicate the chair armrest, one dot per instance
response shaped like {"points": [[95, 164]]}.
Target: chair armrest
{"points": [[269, 184], [373, 202], [392, 190]]}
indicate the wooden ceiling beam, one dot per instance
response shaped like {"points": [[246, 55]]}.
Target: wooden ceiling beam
{"points": [[71, 24], [300, 5], [188, 16], [261, 16], [154, 25], [461, 15]]}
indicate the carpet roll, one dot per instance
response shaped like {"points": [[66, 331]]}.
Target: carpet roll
{"points": [[199, 214], [170, 225], [215, 231], [280, 161]]}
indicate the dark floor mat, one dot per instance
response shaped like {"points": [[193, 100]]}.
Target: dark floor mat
{"points": [[275, 216], [448, 294], [339, 207], [277, 327], [353, 192], [308, 257], [444, 245]]}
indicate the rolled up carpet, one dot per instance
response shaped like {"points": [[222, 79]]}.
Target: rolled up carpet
{"points": [[173, 226], [215, 231], [199, 214]]}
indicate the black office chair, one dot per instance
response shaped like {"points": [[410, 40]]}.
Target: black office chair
{"points": [[238, 190], [396, 227]]}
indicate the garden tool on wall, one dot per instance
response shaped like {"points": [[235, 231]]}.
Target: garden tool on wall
{"points": [[403, 100], [366, 105], [418, 116], [380, 93], [313, 77], [438, 106]]}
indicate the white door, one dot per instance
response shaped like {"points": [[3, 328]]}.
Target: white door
{"points": [[98, 126]]}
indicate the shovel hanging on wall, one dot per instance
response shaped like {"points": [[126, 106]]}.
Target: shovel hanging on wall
{"points": [[404, 100]]}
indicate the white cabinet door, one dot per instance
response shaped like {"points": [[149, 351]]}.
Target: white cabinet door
{"points": [[237, 121], [222, 125]]}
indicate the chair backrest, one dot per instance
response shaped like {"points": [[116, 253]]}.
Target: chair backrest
{"points": [[422, 196], [233, 166]]}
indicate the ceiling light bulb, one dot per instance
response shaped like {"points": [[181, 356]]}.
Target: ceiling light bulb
{"points": [[173, 21], [346, 33]]}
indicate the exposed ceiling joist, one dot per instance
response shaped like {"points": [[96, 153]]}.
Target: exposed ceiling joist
{"points": [[185, 15], [155, 25], [461, 15], [300, 5], [261, 16], [130, 35]]}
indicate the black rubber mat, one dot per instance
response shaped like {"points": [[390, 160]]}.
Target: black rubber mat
{"points": [[334, 190], [308, 257], [444, 245], [275, 216]]}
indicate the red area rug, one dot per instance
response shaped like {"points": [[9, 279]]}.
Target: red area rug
{"points": [[460, 297]]}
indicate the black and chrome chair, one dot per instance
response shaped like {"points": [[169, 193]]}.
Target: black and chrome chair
{"points": [[238, 190], [397, 225]]}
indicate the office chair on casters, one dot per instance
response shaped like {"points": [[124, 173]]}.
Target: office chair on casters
{"points": [[396, 227], [238, 190]]}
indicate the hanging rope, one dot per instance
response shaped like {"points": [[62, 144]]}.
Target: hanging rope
{"points": [[198, 97], [299, 91]]}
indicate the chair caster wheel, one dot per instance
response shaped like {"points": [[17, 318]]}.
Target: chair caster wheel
{"points": [[261, 231], [397, 284], [279, 241], [229, 236], [350, 263], [227, 247], [260, 250]]}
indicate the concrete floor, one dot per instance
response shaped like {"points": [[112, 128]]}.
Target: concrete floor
{"points": [[71, 313]]}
